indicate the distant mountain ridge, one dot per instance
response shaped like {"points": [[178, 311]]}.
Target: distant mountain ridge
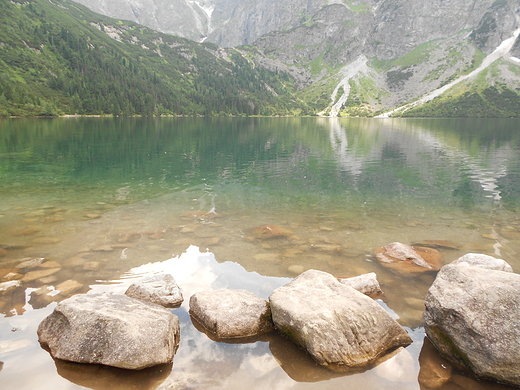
{"points": [[408, 47], [291, 57]]}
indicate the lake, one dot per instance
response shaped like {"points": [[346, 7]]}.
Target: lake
{"points": [[104, 201]]}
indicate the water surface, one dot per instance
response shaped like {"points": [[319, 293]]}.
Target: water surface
{"points": [[100, 198]]}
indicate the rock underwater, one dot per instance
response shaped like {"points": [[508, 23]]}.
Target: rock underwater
{"points": [[407, 260]]}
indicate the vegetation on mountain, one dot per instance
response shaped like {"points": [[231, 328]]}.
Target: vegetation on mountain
{"points": [[60, 58]]}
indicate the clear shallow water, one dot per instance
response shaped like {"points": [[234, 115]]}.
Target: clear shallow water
{"points": [[101, 197]]}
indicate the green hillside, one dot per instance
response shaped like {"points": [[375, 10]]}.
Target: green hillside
{"points": [[60, 58]]}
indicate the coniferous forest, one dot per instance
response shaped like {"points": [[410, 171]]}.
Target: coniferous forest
{"points": [[60, 58]]}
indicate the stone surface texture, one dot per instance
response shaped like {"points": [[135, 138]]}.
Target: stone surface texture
{"points": [[161, 289], [110, 329], [366, 283], [483, 261], [231, 313], [472, 316], [339, 326], [407, 260]]}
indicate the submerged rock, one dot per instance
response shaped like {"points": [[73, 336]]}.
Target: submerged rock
{"points": [[472, 316], [438, 244], [110, 329], [339, 326], [160, 289], [407, 260], [231, 313], [267, 232], [8, 286]]}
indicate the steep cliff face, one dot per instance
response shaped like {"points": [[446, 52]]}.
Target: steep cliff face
{"points": [[348, 56], [185, 18]]}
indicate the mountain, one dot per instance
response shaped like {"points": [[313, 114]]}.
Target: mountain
{"points": [[58, 57], [362, 57], [262, 57]]}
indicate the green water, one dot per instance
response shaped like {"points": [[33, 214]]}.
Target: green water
{"points": [[99, 197]]}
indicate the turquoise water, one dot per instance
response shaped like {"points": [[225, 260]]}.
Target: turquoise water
{"points": [[99, 197]]}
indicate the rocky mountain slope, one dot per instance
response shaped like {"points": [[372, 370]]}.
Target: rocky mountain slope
{"points": [[357, 57]]}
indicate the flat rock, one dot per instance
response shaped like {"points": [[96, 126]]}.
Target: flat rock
{"points": [[110, 329], [339, 326], [407, 260], [38, 274], [160, 289], [472, 316], [69, 287], [483, 261], [231, 313], [30, 263]]}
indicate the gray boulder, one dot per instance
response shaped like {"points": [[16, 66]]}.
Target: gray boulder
{"points": [[110, 329], [339, 326], [365, 283], [483, 261], [472, 316], [231, 313], [161, 289]]}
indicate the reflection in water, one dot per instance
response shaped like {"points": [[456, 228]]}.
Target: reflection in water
{"points": [[98, 377], [108, 199]]}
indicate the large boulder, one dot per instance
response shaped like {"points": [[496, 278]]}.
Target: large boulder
{"points": [[339, 326], [472, 316], [408, 260], [161, 289], [110, 329], [231, 313]]}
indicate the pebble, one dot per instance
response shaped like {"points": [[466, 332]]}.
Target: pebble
{"points": [[91, 265], [266, 257], [47, 240], [92, 216], [185, 230], [104, 248], [296, 269]]}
